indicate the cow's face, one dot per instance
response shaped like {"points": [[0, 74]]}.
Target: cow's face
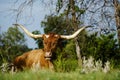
{"points": [[50, 41]]}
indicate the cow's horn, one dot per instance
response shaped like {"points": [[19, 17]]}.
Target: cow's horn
{"points": [[27, 32], [73, 35]]}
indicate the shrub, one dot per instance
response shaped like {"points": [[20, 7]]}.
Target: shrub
{"points": [[66, 60], [104, 48], [90, 65]]}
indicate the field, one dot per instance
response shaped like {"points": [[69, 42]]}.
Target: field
{"points": [[49, 75]]}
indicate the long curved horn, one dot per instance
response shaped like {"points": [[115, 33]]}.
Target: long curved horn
{"points": [[27, 32], [73, 35]]}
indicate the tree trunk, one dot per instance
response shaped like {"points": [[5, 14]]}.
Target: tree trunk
{"points": [[117, 16], [78, 53], [75, 24]]}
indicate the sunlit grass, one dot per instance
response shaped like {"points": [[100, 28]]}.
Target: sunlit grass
{"points": [[91, 70], [50, 75]]}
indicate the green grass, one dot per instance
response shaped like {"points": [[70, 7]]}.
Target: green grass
{"points": [[48, 75]]}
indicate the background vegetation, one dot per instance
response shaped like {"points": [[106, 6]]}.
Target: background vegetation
{"points": [[12, 44]]}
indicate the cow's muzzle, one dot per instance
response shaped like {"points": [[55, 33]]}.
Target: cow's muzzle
{"points": [[48, 55]]}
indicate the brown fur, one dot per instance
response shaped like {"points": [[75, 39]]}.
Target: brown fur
{"points": [[32, 58]]}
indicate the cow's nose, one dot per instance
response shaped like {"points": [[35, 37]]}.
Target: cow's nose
{"points": [[48, 54]]}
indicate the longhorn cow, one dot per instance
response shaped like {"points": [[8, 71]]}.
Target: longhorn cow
{"points": [[41, 57]]}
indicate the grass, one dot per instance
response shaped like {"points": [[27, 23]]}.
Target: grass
{"points": [[48, 75]]}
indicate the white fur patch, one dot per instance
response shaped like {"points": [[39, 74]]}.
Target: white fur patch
{"points": [[47, 36], [56, 35]]}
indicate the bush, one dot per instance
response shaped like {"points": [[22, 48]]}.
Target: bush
{"points": [[104, 48], [66, 59], [90, 65], [12, 43]]}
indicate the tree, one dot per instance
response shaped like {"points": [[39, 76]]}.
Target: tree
{"points": [[99, 13], [72, 13], [117, 16], [12, 43]]}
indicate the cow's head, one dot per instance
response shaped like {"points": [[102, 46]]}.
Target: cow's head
{"points": [[50, 40]]}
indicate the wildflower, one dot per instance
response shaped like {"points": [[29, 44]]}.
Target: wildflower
{"points": [[90, 65], [106, 67]]}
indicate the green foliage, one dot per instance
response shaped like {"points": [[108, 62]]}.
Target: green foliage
{"points": [[104, 48], [66, 60], [57, 24], [59, 5], [12, 43], [78, 10]]}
